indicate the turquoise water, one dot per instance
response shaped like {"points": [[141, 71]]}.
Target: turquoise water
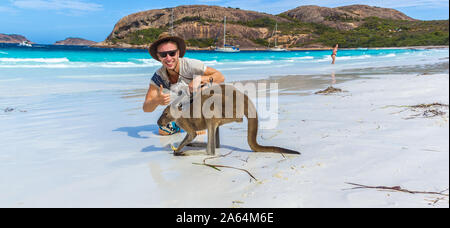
{"points": [[49, 55], [44, 69]]}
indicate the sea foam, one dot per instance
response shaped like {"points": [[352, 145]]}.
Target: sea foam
{"points": [[262, 62], [65, 63], [35, 60]]}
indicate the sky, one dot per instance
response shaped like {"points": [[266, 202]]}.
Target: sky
{"points": [[48, 21]]}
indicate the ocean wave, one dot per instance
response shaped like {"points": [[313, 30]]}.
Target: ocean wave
{"points": [[35, 60], [324, 59], [233, 68], [126, 64], [116, 64], [150, 62], [357, 57], [390, 55], [97, 76], [39, 66], [301, 58], [4, 53], [262, 62], [212, 63], [61, 63]]}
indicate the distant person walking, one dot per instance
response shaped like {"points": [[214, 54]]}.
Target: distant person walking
{"points": [[333, 55]]}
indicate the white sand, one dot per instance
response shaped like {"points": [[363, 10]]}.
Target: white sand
{"points": [[358, 136]]}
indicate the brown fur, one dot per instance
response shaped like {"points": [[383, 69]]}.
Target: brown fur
{"points": [[192, 125]]}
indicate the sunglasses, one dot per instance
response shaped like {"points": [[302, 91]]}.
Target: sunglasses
{"points": [[164, 54]]}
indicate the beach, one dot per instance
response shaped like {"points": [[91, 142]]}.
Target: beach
{"points": [[74, 134]]}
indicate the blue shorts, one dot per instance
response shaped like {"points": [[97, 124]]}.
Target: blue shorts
{"points": [[171, 128]]}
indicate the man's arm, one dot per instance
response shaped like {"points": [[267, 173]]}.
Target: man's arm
{"points": [[214, 74], [210, 73], [155, 97]]}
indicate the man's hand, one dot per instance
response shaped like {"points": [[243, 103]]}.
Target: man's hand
{"points": [[194, 85], [163, 99]]}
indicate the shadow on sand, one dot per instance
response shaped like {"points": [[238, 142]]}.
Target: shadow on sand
{"points": [[135, 131]]}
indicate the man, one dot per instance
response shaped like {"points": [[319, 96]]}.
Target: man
{"points": [[176, 71]]}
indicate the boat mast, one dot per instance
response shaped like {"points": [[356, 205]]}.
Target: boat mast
{"points": [[276, 35], [224, 29], [171, 22]]}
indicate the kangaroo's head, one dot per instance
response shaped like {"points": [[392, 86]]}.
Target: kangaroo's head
{"points": [[171, 113]]}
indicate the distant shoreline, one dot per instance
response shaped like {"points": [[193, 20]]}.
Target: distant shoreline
{"points": [[371, 48], [258, 49], [291, 49]]}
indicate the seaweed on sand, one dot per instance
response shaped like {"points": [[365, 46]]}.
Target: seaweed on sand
{"points": [[8, 109], [424, 110], [330, 90]]}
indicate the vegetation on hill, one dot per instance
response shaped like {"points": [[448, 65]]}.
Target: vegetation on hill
{"points": [[374, 32], [139, 37]]}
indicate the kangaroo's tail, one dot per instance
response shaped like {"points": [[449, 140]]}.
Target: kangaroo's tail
{"points": [[252, 117]]}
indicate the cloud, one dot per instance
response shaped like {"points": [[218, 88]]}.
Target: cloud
{"points": [[5, 9], [72, 5]]}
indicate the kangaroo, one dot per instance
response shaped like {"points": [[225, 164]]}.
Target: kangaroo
{"points": [[217, 118]]}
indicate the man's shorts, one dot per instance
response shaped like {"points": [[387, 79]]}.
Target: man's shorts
{"points": [[170, 129]]}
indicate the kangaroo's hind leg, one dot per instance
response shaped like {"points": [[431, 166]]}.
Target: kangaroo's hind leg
{"points": [[211, 146], [217, 138]]}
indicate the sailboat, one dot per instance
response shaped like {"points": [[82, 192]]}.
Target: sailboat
{"points": [[276, 48], [25, 44], [226, 48]]}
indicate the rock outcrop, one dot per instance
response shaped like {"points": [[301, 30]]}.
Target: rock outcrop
{"points": [[184, 14], [194, 22], [345, 17], [13, 38], [75, 42]]}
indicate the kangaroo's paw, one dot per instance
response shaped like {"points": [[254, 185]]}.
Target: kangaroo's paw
{"points": [[176, 152], [179, 154]]}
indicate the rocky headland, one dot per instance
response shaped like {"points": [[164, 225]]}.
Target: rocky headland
{"points": [[303, 27], [13, 39]]}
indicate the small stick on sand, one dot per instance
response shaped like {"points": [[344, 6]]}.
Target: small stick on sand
{"points": [[223, 166], [397, 188]]}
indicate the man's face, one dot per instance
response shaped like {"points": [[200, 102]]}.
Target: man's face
{"points": [[168, 54]]}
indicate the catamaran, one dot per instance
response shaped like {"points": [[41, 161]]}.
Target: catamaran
{"points": [[226, 48]]}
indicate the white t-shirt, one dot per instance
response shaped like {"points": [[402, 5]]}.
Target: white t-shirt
{"points": [[189, 68], [179, 92]]}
